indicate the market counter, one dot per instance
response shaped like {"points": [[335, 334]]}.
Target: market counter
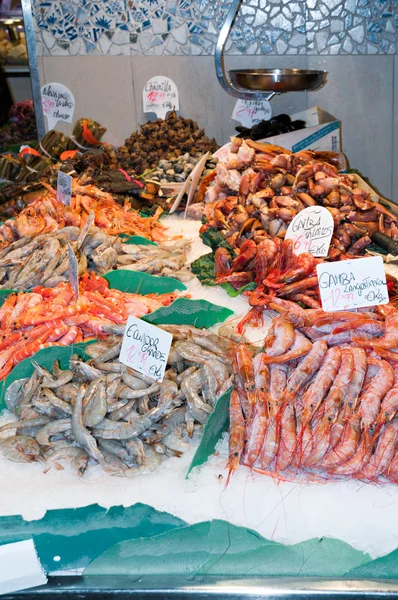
{"points": [[176, 588]]}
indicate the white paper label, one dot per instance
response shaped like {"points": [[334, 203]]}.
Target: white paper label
{"points": [[352, 283], [160, 95], [250, 112], [311, 230], [58, 103], [73, 270], [145, 348], [64, 188]]}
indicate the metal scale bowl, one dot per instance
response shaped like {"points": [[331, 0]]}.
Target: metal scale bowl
{"points": [[260, 84]]}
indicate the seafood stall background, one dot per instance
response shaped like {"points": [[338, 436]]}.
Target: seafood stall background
{"points": [[119, 45]]}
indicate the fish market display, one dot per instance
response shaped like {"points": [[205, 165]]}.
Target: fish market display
{"points": [[107, 413], [46, 214], [163, 139], [259, 188], [165, 259], [53, 316], [321, 397]]}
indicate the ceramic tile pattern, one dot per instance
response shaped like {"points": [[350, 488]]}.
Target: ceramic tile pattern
{"points": [[190, 27]]}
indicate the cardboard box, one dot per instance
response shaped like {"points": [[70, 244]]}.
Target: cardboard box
{"points": [[321, 133]]}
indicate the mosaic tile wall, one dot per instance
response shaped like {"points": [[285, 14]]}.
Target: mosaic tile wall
{"points": [[190, 27]]}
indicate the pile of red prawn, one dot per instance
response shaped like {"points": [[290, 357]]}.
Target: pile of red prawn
{"points": [[276, 270], [320, 400], [46, 214], [30, 321]]}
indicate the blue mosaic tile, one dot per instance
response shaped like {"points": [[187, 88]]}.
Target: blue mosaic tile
{"points": [[261, 27]]}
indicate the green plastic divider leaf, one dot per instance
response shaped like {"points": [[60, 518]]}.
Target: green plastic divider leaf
{"points": [[4, 295], [385, 567], [137, 239], [141, 283], [45, 358], [217, 423], [219, 548], [199, 313], [79, 535]]}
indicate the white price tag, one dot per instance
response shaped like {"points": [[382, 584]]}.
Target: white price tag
{"points": [[311, 230], [160, 95], [85, 229], [352, 283], [250, 112], [58, 103], [64, 188], [73, 270], [145, 348]]}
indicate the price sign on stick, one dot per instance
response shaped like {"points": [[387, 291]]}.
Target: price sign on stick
{"points": [[64, 188], [160, 95], [73, 270], [311, 230], [250, 112], [58, 103], [352, 283], [145, 348]]}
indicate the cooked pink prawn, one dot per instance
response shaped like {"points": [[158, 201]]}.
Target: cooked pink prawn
{"points": [[371, 399], [387, 341], [346, 447], [321, 384], [270, 445], [288, 441], [384, 452], [338, 391], [306, 369], [280, 337], [300, 347], [290, 310]]}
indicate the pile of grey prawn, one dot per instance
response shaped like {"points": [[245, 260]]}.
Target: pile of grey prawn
{"points": [[101, 411]]}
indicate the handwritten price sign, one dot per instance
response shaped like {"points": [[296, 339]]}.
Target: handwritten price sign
{"points": [[160, 95], [352, 283], [311, 230], [58, 103], [250, 112], [145, 348], [64, 188]]}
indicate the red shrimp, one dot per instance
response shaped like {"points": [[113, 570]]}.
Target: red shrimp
{"points": [[245, 371], [261, 378], [257, 433], [236, 434]]}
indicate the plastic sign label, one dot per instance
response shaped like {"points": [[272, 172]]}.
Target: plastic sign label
{"points": [[250, 112], [73, 270], [311, 230], [352, 283], [58, 103], [160, 95], [64, 188], [145, 348]]}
